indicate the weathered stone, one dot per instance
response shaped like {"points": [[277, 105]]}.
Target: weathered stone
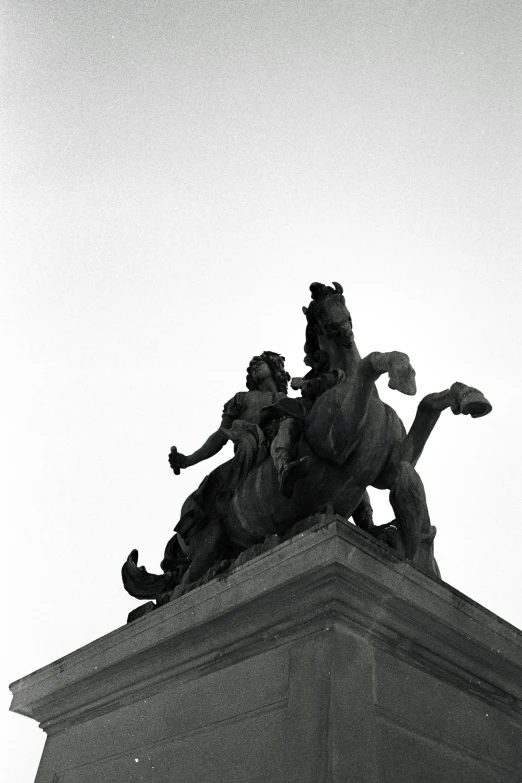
{"points": [[325, 658], [140, 611]]}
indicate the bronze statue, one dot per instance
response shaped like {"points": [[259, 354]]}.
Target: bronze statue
{"points": [[294, 457]]}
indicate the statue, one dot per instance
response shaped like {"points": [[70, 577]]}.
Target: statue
{"points": [[267, 383], [296, 457]]}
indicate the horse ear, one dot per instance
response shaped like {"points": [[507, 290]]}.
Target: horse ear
{"points": [[338, 287], [305, 310]]}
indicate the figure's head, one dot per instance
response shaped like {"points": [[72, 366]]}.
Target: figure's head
{"points": [[268, 364]]}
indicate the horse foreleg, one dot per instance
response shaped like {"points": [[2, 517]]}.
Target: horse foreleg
{"points": [[412, 518], [397, 365], [459, 397]]}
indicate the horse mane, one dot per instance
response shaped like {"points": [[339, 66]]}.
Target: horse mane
{"points": [[314, 356]]}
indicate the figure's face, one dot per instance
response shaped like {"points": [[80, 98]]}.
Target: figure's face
{"points": [[260, 371], [335, 320]]}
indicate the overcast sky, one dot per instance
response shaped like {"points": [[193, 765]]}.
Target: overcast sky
{"points": [[175, 176]]}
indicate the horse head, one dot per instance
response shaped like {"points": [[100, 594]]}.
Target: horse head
{"points": [[327, 316]]}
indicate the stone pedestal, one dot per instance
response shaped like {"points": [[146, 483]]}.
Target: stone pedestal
{"points": [[325, 659]]}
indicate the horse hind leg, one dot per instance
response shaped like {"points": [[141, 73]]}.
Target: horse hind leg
{"points": [[462, 399], [407, 495], [412, 518]]}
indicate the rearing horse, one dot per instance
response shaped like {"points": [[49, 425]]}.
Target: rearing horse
{"points": [[355, 441], [350, 426]]}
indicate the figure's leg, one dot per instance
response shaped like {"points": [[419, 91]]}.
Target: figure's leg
{"points": [[460, 398], [284, 451], [408, 501]]}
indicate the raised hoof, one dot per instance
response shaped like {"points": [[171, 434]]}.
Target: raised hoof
{"points": [[469, 401], [292, 473], [402, 378]]}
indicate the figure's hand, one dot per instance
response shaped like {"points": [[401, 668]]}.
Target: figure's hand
{"points": [[297, 383], [177, 461]]}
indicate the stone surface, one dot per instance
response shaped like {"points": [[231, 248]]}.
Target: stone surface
{"points": [[326, 658]]}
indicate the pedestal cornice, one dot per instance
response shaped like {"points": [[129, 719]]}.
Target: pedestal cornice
{"points": [[332, 576]]}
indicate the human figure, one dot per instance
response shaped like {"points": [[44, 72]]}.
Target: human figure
{"points": [[249, 423], [267, 384]]}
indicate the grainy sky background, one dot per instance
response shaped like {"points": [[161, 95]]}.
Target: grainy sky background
{"points": [[175, 175]]}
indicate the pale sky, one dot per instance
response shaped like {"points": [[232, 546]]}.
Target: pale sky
{"points": [[175, 175]]}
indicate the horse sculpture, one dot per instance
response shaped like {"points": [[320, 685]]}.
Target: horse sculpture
{"points": [[353, 440]]}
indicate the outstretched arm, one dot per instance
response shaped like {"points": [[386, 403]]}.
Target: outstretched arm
{"points": [[212, 445]]}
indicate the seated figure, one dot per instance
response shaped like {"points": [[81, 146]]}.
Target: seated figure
{"points": [[247, 421]]}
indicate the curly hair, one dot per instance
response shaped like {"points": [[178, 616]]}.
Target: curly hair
{"points": [[276, 363], [314, 357]]}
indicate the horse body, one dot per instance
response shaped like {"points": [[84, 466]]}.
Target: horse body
{"points": [[350, 453]]}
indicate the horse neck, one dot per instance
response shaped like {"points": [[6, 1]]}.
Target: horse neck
{"points": [[340, 357], [339, 415]]}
